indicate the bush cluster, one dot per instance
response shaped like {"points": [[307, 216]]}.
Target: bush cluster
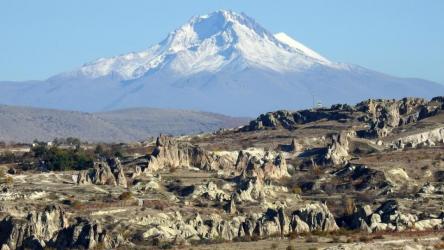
{"points": [[57, 159]]}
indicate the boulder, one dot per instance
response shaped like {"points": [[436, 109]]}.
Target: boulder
{"points": [[317, 217]]}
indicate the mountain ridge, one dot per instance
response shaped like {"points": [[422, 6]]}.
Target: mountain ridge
{"points": [[222, 62], [24, 124]]}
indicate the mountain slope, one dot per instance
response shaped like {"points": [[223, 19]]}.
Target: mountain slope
{"points": [[223, 62], [23, 124]]}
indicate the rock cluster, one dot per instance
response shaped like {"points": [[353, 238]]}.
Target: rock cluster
{"points": [[361, 177], [268, 167], [427, 139], [104, 173], [36, 229], [169, 153], [50, 228], [274, 221], [385, 115], [381, 115], [290, 120], [388, 217]]}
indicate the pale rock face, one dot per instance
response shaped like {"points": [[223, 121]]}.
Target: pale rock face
{"points": [[385, 115], [84, 234], [428, 138], [267, 167], [171, 154], [5, 247], [274, 221], [210, 191], [398, 177], [42, 226], [318, 217], [422, 225], [251, 190], [103, 174], [338, 151], [389, 217], [298, 226], [50, 228]]}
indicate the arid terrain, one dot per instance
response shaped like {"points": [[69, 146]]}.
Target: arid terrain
{"points": [[369, 176]]}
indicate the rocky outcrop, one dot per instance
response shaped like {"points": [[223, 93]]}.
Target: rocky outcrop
{"points": [[388, 216], [290, 120], [439, 101], [338, 150], [385, 115], [104, 173], [270, 166], [50, 229], [381, 115], [85, 234], [250, 189], [35, 230], [360, 178], [317, 217], [210, 191], [170, 153], [273, 222], [424, 139]]}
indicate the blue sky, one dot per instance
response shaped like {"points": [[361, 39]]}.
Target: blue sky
{"points": [[400, 37]]}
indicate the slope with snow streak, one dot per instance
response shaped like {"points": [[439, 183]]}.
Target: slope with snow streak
{"points": [[223, 62]]}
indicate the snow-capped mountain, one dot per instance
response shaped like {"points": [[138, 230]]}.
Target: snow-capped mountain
{"points": [[211, 43], [222, 62]]}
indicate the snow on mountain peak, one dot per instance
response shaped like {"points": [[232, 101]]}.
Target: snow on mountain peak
{"points": [[281, 36], [211, 43]]}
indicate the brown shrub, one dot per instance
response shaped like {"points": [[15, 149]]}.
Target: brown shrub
{"points": [[125, 196], [76, 204], [296, 190], [311, 239], [349, 205]]}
